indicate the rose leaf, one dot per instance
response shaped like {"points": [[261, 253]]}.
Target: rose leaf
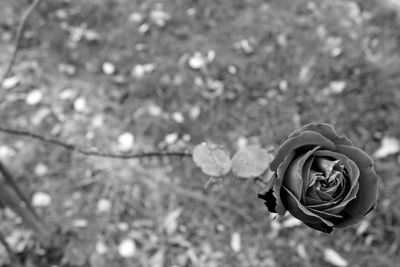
{"points": [[251, 162], [214, 160]]}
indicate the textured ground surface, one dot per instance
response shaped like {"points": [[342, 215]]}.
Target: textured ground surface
{"points": [[186, 71]]}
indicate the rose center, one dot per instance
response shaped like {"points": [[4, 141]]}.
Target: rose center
{"points": [[327, 175]]}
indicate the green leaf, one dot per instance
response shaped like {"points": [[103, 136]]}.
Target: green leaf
{"points": [[214, 160], [251, 162]]}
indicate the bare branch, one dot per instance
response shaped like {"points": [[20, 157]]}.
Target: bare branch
{"points": [[20, 34], [11, 181], [95, 153], [9, 198]]}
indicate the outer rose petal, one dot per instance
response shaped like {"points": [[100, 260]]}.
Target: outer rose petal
{"points": [[326, 130], [365, 201], [280, 208], [368, 181], [303, 139], [299, 211], [293, 179]]}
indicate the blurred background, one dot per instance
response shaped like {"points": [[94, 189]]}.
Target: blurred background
{"points": [[124, 76]]}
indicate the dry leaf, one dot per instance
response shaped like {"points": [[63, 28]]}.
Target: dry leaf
{"points": [[171, 221], [214, 160], [334, 258], [236, 243], [389, 146], [127, 248], [40, 199]]}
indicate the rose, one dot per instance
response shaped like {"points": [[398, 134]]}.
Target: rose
{"points": [[322, 179]]}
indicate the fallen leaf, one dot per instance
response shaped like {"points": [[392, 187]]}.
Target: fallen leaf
{"points": [[41, 199], [144, 28], [210, 56], [126, 142], [41, 169], [302, 252], [108, 68], [38, 117], [171, 221], [154, 110], [334, 258], [214, 160], [104, 205], [91, 35], [67, 69], [6, 153], [34, 97], [362, 227], [236, 243], [171, 138], [194, 112], [139, 71], [389, 146], [336, 87], [245, 45], [127, 248], [178, 117], [80, 223], [68, 93], [251, 162], [160, 17], [80, 105], [10, 82], [136, 17], [101, 248], [197, 61]]}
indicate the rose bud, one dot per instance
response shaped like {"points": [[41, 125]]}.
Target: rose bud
{"points": [[322, 179]]}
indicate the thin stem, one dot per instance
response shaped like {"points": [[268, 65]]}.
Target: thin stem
{"points": [[20, 33], [10, 198], [11, 181], [79, 150]]}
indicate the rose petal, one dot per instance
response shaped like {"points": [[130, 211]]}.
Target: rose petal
{"points": [[303, 139], [320, 205], [349, 165], [326, 130], [299, 211], [326, 165], [353, 178], [365, 200], [326, 215], [368, 191], [293, 179], [280, 208], [338, 208], [306, 175], [357, 155], [324, 196], [313, 200]]}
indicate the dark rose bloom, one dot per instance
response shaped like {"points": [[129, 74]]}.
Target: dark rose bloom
{"points": [[322, 179]]}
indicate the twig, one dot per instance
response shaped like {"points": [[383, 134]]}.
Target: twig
{"points": [[10, 252], [9, 198], [11, 181], [76, 149], [20, 33]]}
